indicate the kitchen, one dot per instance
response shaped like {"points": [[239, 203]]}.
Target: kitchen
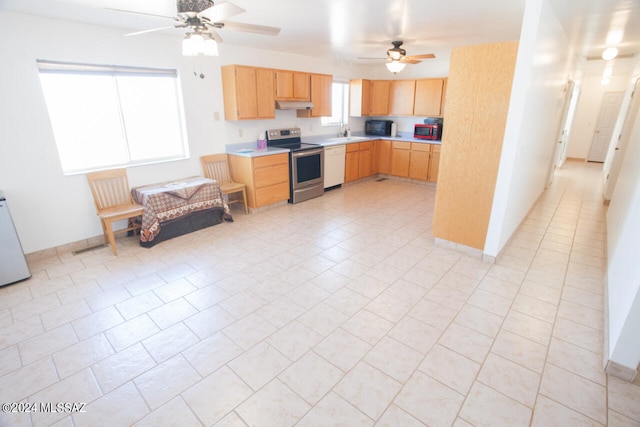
{"points": [[30, 170]]}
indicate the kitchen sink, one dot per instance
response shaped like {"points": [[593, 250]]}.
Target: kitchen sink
{"points": [[246, 150]]}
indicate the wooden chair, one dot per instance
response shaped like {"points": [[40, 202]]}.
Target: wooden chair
{"points": [[216, 166], [113, 200]]}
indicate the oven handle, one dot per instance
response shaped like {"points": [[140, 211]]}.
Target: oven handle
{"points": [[307, 152]]}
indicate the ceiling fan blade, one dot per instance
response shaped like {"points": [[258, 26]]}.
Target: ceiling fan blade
{"points": [[150, 31], [423, 56], [365, 57], [215, 35], [140, 13], [221, 11], [409, 60], [250, 28]]}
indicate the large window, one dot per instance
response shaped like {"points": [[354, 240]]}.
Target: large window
{"points": [[339, 105], [107, 116]]}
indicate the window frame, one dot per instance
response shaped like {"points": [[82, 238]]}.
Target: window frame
{"points": [[174, 151], [344, 119]]}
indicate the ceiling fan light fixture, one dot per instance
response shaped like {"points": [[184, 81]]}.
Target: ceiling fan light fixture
{"points": [[394, 55], [395, 66], [609, 53], [210, 47], [193, 44]]}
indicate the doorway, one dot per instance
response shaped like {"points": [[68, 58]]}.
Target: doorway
{"points": [[609, 110]]}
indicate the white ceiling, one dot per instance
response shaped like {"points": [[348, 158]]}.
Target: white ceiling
{"points": [[343, 30]]}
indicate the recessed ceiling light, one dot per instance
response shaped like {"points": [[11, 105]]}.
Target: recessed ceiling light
{"points": [[609, 53]]}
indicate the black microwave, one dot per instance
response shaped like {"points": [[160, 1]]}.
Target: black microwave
{"points": [[378, 127]]}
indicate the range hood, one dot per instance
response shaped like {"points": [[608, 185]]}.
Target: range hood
{"points": [[294, 105]]}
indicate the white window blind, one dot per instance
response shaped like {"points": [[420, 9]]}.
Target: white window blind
{"points": [[113, 116]]}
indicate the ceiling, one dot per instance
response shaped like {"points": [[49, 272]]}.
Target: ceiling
{"points": [[341, 30]]}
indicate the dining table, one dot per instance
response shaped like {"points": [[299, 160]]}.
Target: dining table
{"points": [[177, 207]]}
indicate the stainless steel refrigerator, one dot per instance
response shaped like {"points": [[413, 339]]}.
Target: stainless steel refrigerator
{"points": [[13, 265]]}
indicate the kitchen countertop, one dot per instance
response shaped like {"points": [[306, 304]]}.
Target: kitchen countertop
{"points": [[249, 149]]}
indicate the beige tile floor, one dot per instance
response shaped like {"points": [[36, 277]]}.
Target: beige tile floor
{"points": [[336, 311]]}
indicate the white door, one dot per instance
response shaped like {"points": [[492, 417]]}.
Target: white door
{"points": [[629, 112], [604, 127]]}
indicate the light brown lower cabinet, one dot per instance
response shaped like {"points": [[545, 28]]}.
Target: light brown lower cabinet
{"points": [[266, 177], [419, 161], [382, 157], [358, 161], [434, 163], [413, 160]]}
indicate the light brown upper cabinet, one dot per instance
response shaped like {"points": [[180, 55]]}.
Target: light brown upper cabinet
{"points": [[292, 85], [359, 97], [320, 96], [380, 91], [248, 93], [428, 97], [402, 97]]}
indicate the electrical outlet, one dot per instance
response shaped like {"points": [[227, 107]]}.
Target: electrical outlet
{"points": [[216, 116], [240, 133]]}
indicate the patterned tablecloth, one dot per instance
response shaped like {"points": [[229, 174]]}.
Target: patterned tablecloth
{"points": [[170, 201]]}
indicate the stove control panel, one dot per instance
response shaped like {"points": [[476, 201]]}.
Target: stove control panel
{"points": [[287, 133]]}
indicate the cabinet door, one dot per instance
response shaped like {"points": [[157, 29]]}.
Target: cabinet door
{"points": [[402, 97], [246, 88], [380, 97], [382, 157], [365, 159], [434, 163], [400, 157], [265, 94], [320, 97], [419, 162], [351, 162], [284, 84], [428, 99], [301, 86]]}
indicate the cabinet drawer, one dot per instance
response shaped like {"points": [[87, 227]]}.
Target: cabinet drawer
{"points": [[353, 147], [272, 194], [435, 148], [400, 145], [418, 146], [366, 145], [271, 175], [262, 161]]}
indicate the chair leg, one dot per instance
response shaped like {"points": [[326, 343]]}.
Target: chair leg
{"points": [[111, 238], [244, 198]]}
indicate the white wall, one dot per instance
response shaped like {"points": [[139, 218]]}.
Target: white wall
{"points": [[50, 209], [623, 273], [542, 70], [584, 124]]}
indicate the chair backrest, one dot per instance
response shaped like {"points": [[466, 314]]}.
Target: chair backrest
{"points": [[216, 166], [109, 188]]}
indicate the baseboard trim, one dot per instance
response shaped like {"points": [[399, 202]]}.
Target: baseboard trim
{"points": [[620, 371], [467, 250]]}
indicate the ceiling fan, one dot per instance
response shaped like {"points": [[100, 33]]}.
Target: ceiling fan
{"points": [[203, 18], [397, 57]]}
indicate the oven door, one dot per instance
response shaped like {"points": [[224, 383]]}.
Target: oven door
{"points": [[307, 178]]}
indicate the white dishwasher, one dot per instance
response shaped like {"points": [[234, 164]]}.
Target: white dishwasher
{"points": [[334, 157]]}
